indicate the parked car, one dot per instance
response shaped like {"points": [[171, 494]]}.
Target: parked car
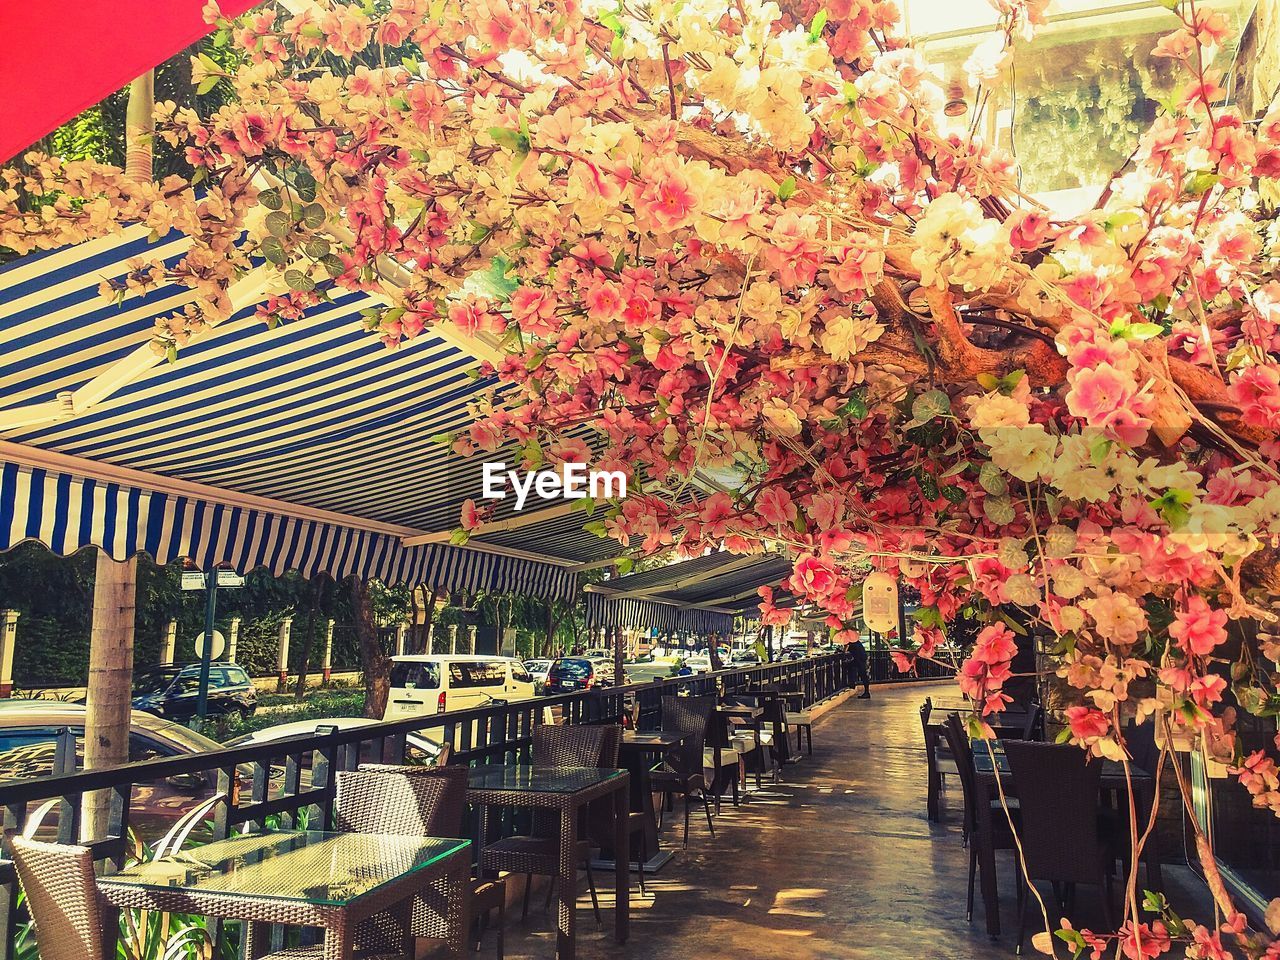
{"points": [[571, 674], [538, 670], [172, 691], [29, 733], [418, 747], [744, 658], [698, 663], [433, 683]]}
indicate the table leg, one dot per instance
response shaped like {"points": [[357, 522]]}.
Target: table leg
{"points": [[759, 754], [339, 941], [567, 882], [987, 860], [459, 893], [621, 869]]}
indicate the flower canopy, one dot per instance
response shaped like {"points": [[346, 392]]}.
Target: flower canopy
{"points": [[743, 244]]}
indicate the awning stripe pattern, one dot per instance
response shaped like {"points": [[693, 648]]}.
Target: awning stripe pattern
{"points": [[646, 615], [68, 512]]}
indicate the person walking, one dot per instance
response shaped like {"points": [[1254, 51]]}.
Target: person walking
{"points": [[858, 664]]}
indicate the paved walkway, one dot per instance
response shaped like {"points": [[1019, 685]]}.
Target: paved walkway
{"points": [[837, 862]]}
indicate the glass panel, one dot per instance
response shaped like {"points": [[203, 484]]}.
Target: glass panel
{"points": [[408, 675], [330, 869], [537, 779], [571, 669]]}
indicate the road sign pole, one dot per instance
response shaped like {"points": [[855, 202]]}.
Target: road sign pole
{"points": [[206, 653]]}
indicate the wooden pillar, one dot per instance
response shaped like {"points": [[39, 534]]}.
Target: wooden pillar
{"points": [[233, 639], [8, 639], [327, 667], [170, 645], [282, 653], [108, 703]]}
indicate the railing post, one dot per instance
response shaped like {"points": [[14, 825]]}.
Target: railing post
{"points": [[8, 638]]}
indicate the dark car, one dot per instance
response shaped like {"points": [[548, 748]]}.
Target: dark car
{"points": [[570, 674], [172, 691]]}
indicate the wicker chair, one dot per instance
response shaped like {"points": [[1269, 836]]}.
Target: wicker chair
{"points": [[70, 917], [1058, 791], [1002, 836], [939, 762], [536, 853], [412, 801], [682, 772]]}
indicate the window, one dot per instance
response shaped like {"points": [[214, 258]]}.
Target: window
{"points": [[482, 673], [237, 676], [519, 674], [409, 675]]}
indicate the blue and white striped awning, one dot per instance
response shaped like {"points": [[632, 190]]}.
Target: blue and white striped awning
{"points": [[649, 615], [67, 513], [315, 416]]}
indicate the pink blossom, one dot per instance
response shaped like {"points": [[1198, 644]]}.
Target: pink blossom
{"points": [[775, 507], [1197, 629]]}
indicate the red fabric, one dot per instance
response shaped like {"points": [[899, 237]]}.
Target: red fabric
{"points": [[59, 58]]}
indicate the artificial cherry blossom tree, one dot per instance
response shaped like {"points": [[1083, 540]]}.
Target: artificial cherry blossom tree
{"points": [[737, 240]]}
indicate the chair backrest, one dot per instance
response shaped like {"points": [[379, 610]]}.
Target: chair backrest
{"points": [[426, 802], [929, 733], [610, 746], [563, 746], [962, 752], [62, 894], [1035, 720], [1057, 787], [688, 716]]}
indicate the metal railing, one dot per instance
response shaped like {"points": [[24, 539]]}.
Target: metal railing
{"points": [[252, 789]]}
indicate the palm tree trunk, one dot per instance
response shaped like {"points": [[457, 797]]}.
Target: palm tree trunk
{"points": [[107, 708], [139, 129]]}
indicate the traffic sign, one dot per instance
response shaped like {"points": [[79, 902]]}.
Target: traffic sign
{"points": [[219, 645], [227, 580]]}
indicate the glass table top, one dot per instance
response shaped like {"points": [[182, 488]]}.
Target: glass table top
{"points": [[325, 869], [530, 779]]}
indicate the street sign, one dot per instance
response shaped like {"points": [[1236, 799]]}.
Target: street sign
{"points": [[227, 580], [219, 645]]}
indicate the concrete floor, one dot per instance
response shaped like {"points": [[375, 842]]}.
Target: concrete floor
{"points": [[836, 862]]}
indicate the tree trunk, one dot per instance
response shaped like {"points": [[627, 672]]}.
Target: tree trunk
{"points": [[107, 708], [139, 129], [713, 652], [308, 640], [424, 644], [374, 662], [768, 643], [618, 656]]}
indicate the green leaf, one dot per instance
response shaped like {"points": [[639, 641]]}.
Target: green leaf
{"points": [[597, 527], [278, 223], [787, 189], [856, 407], [586, 505], [815, 29], [1144, 331], [999, 510], [459, 537], [271, 199], [333, 265], [509, 139], [928, 486], [171, 352], [992, 480], [297, 280], [930, 404], [1121, 218], [1202, 182], [206, 85], [624, 565], [442, 438], [273, 250], [955, 494], [313, 215], [317, 248]]}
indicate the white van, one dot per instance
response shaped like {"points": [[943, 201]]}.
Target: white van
{"points": [[436, 683]]}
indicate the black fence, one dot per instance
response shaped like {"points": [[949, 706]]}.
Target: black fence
{"points": [[289, 782]]}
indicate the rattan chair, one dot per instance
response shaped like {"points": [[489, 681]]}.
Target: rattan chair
{"points": [[1002, 836], [446, 821], [939, 763], [682, 771], [71, 918], [1058, 787], [536, 853], [411, 801]]}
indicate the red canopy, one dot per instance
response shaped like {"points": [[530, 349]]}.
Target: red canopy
{"points": [[57, 59]]}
